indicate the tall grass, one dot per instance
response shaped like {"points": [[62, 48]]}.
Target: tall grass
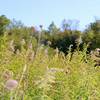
{"points": [[48, 75]]}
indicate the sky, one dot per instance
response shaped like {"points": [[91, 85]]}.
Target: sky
{"points": [[43, 12]]}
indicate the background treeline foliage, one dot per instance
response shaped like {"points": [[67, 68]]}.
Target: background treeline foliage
{"points": [[54, 37]]}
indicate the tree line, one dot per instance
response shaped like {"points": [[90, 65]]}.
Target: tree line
{"points": [[68, 35]]}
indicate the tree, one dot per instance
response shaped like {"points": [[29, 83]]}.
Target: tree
{"points": [[14, 24], [92, 34], [53, 29], [65, 25], [4, 21], [70, 24], [88, 36]]}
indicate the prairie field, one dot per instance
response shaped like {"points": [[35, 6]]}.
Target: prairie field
{"points": [[47, 75], [53, 64]]}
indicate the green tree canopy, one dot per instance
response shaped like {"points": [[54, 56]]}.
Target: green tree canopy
{"points": [[53, 28], [92, 34], [4, 21]]}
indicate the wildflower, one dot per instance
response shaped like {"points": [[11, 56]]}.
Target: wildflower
{"points": [[46, 52], [30, 55], [98, 49], [30, 46], [11, 84], [12, 45], [67, 71], [49, 42], [7, 75], [57, 50], [54, 70], [23, 42], [17, 51]]}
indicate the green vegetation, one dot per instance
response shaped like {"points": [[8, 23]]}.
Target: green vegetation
{"points": [[53, 64]]}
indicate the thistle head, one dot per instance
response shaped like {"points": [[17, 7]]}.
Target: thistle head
{"points": [[11, 84]]}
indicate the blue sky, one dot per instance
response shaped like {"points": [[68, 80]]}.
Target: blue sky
{"points": [[36, 12]]}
